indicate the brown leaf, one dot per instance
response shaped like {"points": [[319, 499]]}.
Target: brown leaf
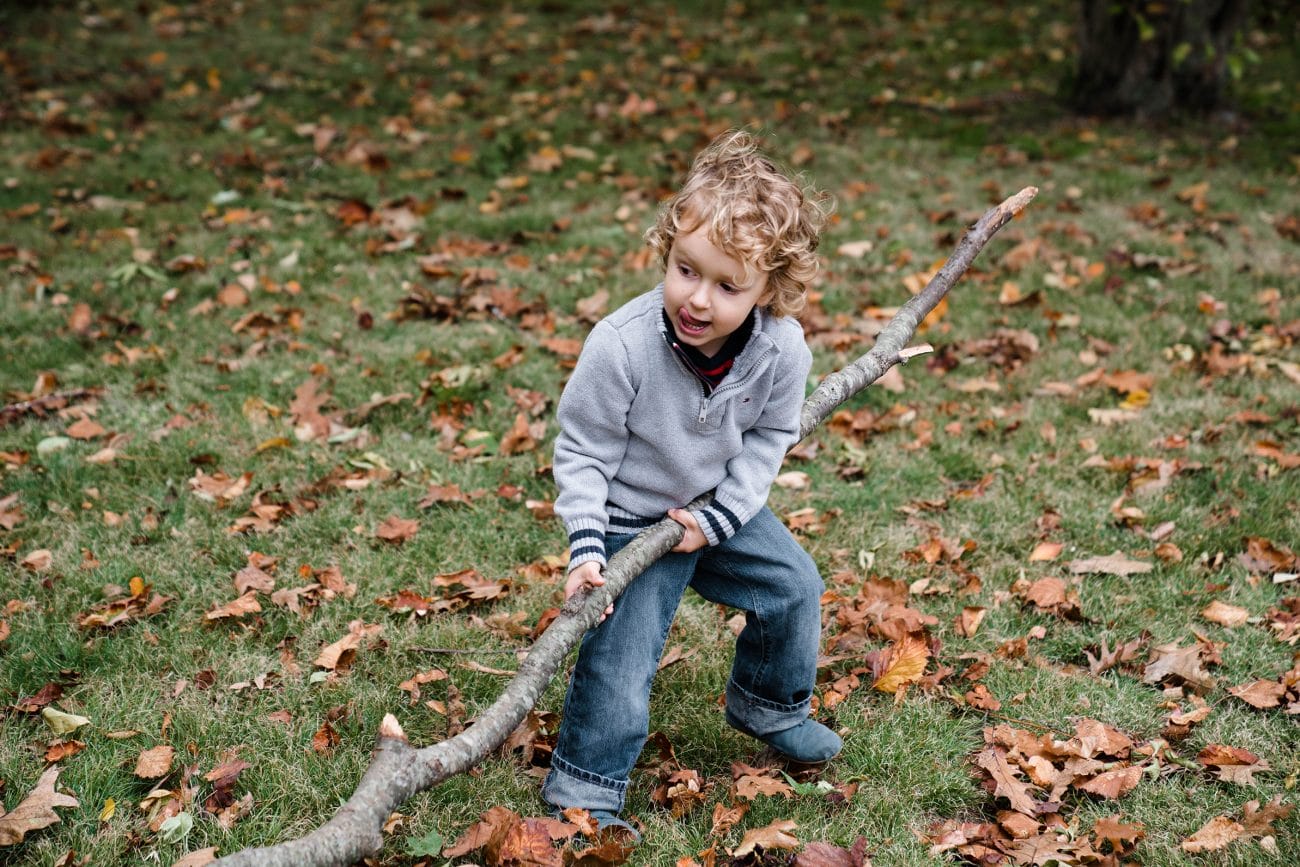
{"points": [[773, 836], [198, 858], [246, 604], [749, 786], [325, 739], [1050, 595], [1215, 834], [725, 818], [154, 763], [340, 653], [968, 622], [980, 697], [1233, 764], [60, 750], [36, 811], [1260, 694], [219, 488], [829, 855], [1113, 784], [1184, 663], [1225, 614], [1006, 783], [1120, 836], [488, 831], [1258, 821], [529, 844], [522, 436], [900, 664], [1108, 659], [85, 429], [1114, 564], [680, 792], [397, 530]]}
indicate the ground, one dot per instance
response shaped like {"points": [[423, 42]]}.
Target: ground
{"points": [[290, 292]]}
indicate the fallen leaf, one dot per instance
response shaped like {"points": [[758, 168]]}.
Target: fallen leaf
{"points": [[1260, 693], [1045, 552], [1120, 835], [1215, 834], [63, 723], [773, 836], [36, 811], [900, 663], [1114, 783], [830, 855], [340, 653], [246, 604], [38, 560], [397, 530], [1225, 614], [154, 763], [1006, 783], [1114, 564], [1232, 764], [198, 858], [1170, 660]]}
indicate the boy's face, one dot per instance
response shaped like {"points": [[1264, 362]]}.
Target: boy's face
{"points": [[706, 294]]}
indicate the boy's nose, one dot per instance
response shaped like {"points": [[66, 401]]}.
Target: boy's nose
{"points": [[700, 297]]}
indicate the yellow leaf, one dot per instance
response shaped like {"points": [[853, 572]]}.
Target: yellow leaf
{"points": [[1136, 399], [273, 443], [63, 723], [137, 586], [904, 663], [110, 807]]}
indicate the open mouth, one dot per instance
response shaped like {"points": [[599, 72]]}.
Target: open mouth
{"points": [[689, 324]]}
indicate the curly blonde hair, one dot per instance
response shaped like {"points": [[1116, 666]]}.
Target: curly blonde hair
{"points": [[754, 212]]}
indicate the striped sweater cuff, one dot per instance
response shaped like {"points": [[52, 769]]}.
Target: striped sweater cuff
{"points": [[586, 542], [717, 522]]}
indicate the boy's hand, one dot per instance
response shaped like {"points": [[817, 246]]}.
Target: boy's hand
{"points": [[694, 539], [586, 574]]}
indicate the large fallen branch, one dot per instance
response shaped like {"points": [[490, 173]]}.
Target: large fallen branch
{"points": [[398, 770]]}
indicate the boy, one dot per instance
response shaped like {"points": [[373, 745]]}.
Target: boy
{"points": [[695, 385]]}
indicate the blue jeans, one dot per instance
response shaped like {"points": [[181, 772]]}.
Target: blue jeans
{"points": [[761, 570]]}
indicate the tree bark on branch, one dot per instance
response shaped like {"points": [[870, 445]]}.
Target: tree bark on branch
{"points": [[399, 770]]}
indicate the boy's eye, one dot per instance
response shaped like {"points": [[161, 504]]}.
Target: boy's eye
{"points": [[729, 289], [685, 272]]}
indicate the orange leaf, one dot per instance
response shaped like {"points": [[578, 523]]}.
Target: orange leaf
{"points": [[1046, 551]]}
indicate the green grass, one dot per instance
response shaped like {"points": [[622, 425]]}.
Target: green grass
{"points": [[907, 110]]}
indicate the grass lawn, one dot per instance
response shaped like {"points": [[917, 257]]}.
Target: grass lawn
{"points": [[281, 279]]}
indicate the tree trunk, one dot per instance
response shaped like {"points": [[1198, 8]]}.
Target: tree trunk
{"points": [[1154, 57], [398, 770]]}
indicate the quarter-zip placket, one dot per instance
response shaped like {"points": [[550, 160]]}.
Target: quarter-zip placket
{"points": [[731, 386]]}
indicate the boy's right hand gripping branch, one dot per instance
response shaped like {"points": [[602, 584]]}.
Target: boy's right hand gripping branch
{"points": [[583, 576]]}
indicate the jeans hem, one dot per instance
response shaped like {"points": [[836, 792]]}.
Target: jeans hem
{"points": [[761, 716], [568, 785]]}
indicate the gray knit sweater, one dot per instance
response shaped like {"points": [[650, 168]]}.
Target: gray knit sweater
{"points": [[639, 435]]}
